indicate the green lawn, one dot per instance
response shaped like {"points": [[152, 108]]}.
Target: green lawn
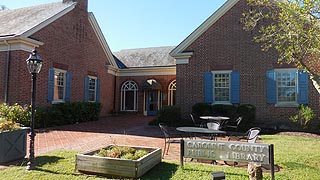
{"points": [[298, 157]]}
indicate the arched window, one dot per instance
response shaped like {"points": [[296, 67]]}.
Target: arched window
{"points": [[172, 93], [129, 100]]}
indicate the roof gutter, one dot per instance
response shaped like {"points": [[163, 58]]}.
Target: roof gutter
{"points": [[6, 88]]}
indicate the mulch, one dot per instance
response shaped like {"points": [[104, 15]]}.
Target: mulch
{"points": [[301, 134]]}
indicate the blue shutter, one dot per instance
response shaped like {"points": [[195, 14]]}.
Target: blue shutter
{"points": [[271, 87], [98, 91], [235, 87], [68, 87], [86, 89], [303, 79], [51, 85], [208, 87]]}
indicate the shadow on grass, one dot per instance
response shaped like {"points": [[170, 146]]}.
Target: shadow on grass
{"points": [[43, 160], [164, 170]]}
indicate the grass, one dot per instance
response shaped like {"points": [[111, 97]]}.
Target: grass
{"points": [[298, 158]]}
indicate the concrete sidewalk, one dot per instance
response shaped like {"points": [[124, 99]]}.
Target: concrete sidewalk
{"points": [[122, 130]]}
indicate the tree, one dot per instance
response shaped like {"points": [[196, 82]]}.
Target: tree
{"points": [[292, 28], [3, 7]]}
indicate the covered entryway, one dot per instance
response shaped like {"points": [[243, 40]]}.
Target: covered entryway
{"points": [[152, 97]]}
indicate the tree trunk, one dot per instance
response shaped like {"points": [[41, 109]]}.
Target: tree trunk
{"points": [[255, 171]]}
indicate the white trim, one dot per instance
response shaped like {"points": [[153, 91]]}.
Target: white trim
{"points": [[19, 43], [64, 86], [101, 39], [203, 27], [123, 96], [49, 20], [287, 103], [171, 88], [147, 71], [213, 79], [95, 87], [182, 61]]}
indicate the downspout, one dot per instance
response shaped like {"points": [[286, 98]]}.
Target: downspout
{"points": [[6, 89], [114, 94]]}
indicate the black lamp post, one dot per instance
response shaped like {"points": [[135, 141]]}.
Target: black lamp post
{"points": [[34, 63]]}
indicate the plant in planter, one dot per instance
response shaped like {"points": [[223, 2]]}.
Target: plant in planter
{"points": [[13, 136], [119, 161]]}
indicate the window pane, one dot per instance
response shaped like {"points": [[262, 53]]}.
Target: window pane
{"points": [[129, 100], [59, 85], [222, 87], [286, 82], [92, 89], [129, 96]]}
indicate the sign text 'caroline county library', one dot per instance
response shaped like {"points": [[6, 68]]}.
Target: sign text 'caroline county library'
{"points": [[227, 151]]}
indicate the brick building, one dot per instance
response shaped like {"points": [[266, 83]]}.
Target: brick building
{"points": [[78, 64], [73, 49], [219, 59], [226, 67]]}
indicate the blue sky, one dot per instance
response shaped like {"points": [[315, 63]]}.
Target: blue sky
{"points": [[128, 24]]}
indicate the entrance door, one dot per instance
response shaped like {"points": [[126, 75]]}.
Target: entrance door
{"points": [[152, 102]]}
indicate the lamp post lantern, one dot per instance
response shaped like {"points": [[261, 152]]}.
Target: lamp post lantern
{"points": [[34, 63]]}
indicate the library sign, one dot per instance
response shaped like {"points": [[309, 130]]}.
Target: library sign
{"points": [[228, 151]]}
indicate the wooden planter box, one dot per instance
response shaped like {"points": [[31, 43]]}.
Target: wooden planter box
{"points": [[87, 163], [13, 144]]}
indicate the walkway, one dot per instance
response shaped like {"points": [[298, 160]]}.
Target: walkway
{"points": [[122, 130]]}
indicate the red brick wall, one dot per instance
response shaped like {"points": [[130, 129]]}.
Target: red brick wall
{"points": [[225, 44], [70, 42], [164, 80]]}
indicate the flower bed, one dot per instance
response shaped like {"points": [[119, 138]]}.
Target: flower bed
{"points": [[89, 163]]}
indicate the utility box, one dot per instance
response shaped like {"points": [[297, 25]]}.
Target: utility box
{"points": [[218, 175]]}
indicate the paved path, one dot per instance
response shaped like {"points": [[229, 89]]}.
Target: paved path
{"points": [[122, 130]]}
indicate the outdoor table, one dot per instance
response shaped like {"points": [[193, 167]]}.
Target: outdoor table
{"points": [[199, 130], [219, 119]]}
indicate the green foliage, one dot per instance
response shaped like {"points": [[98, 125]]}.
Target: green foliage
{"points": [[289, 27], [14, 116], [247, 111], [67, 113], [169, 114], [201, 109], [303, 116], [122, 152]]}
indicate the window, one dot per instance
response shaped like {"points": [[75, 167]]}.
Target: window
{"points": [[59, 85], [92, 89], [222, 87], [129, 101], [286, 86], [172, 93]]}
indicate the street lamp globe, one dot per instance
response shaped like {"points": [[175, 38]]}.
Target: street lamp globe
{"points": [[34, 62]]}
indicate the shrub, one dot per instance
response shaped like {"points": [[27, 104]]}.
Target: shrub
{"points": [[67, 113], [169, 114], [248, 113], [303, 116], [201, 109], [224, 110], [14, 116]]}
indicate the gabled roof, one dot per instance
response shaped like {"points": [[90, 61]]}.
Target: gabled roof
{"points": [[26, 21], [146, 57], [179, 50]]}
